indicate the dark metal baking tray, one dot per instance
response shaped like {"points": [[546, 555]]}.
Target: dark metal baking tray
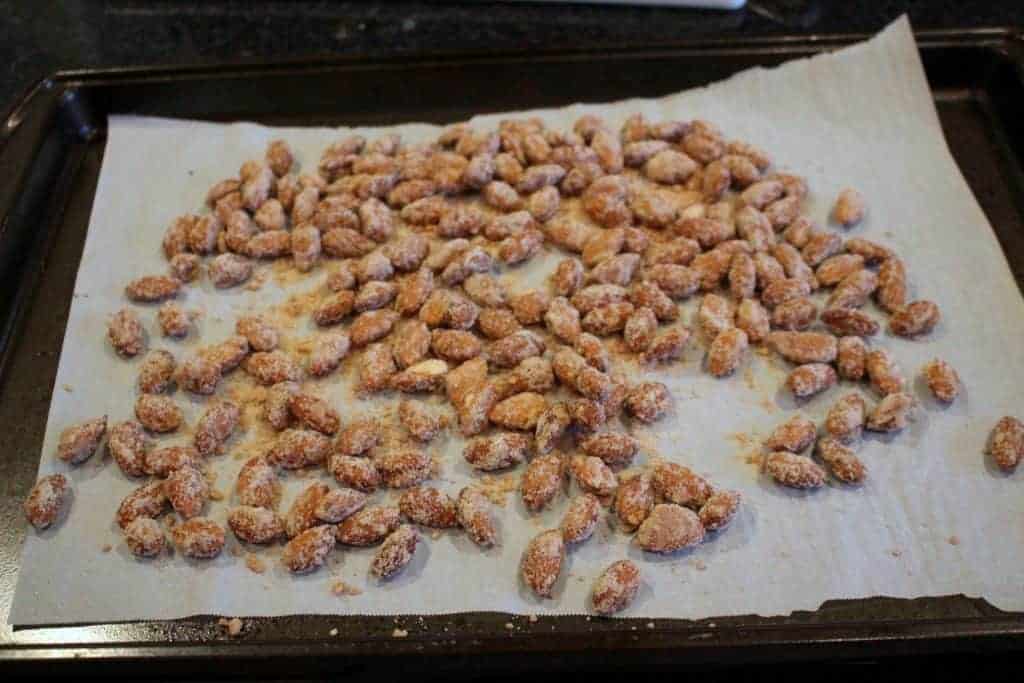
{"points": [[50, 153]]}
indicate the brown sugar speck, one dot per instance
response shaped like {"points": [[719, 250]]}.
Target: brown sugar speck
{"points": [[67, 387], [895, 552], [258, 279], [699, 564], [496, 489], [954, 540], [107, 548]]}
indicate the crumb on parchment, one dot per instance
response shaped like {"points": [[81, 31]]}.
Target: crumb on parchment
{"points": [[232, 626], [255, 564], [399, 633]]}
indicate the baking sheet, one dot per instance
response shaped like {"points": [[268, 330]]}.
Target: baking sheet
{"points": [[933, 518]]}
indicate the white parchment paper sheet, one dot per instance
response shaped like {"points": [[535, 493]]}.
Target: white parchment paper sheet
{"points": [[932, 519]]}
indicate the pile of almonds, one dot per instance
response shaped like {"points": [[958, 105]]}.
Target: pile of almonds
{"points": [[413, 237]]}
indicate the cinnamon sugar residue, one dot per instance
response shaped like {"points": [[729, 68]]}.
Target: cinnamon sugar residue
{"points": [[497, 488], [255, 564], [341, 589]]}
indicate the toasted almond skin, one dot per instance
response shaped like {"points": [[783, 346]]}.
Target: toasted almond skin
{"points": [[46, 500], [719, 510], [615, 588], [1006, 443], [308, 551], [669, 528], [429, 507], [542, 562], [795, 471], [395, 552]]}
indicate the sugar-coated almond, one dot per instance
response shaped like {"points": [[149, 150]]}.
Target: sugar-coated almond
{"points": [[395, 552], [794, 471], [314, 412], [793, 435], [804, 347], [667, 346], [275, 405], [615, 588], [727, 351], [614, 448], [850, 321], [157, 372], [719, 510], [810, 379], [634, 500], [475, 516], [148, 500], [551, 424], [257, 483], [851, 357], [199, 538], [592, 475], [376, 369], [669, 528], [914, 319], [542, 562], [145, 537], [255, 524], [128, 444], [158, 413], [402, 468], [580, 519], [355, 472], [541, 481], [46, 500], [849, 208], [215, 427], [753, 319], [418, 420], [429, 507], [187, 490], [520, 411], [884, 373], [892, 285], [272, 367], [845, 419], [841, 460], [892, 413], [680, 485], [150, 288], [1006, 443], [497, 452], [78, 442], [943, 381], [199, 374], [308, 550], [298, 448]]}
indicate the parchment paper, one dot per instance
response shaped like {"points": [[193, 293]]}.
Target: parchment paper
{"points": [[932, 519]]}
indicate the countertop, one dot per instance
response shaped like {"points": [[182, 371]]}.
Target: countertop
{"points": [[42, 37]]}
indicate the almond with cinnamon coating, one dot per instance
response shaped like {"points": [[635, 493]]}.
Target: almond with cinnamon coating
{"points": [[255, 524], [46, 500], [793, 435], [615, 588], [314, 412], [158, 413], [669, 528], [125, 333], [580, 519], [475, 516], [1006, 443], [187, 490], [794, 471], [943, 381], [719, 510], [497, 452], [804, 347], [845, 419], [308, 550], [892, 413], [667, 346], [727, 351], [680, 485], [199, 538], [810, 379], [257, 483], [592, 475], [841, 460], [634, 500], [127, 444], [915, 319], [298, 448]]}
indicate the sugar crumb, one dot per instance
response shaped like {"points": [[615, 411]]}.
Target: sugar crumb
{"points": [[699, 564], [533, 618], [333, 631], [399, 633], [509, 625], [340, 588], [954, 540], [107, 547], [67, 387]]}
